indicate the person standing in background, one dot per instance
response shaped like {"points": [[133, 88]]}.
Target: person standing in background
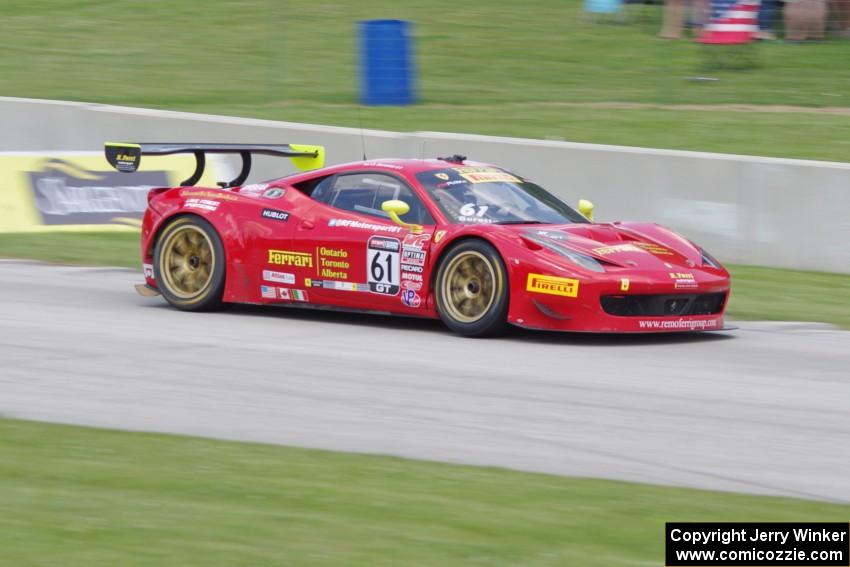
{"points": [[840, 19], [674, 19], [767, 15], [805, 20]]}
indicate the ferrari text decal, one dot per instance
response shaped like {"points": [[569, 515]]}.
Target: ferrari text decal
{"points": [[287, 258], [382, 264], [566, 287]]}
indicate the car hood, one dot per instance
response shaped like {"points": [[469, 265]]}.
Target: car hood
{"points": [[636, 245]]}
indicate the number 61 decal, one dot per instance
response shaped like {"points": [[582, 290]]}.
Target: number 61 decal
{"points": [[383, 264]]}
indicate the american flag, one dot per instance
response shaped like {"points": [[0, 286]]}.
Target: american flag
{"points": [[732, 21]]}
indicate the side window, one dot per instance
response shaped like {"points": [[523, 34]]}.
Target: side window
{"points": [[318, 189], [364, 192]]}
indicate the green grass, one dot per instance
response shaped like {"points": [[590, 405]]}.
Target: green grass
{"points": [[81, 497], [757, 293], [81, 248], [790, 295], [486, 66]]}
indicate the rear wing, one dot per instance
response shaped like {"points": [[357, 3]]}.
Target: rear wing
{"points": [[126, 157]]}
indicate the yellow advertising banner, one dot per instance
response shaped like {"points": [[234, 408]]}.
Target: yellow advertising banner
{"points": [[79, 191]]}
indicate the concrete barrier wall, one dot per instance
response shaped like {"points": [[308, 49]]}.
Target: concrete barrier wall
{"points": [[750, 210]]}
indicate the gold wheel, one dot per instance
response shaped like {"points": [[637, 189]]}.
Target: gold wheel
{"points": [[187, 261], [470, 286]]}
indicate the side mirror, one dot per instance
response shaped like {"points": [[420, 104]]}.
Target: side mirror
{"points": [[585, 207], [396, 208]]}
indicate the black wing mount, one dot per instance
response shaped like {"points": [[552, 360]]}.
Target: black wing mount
{"points": [[126, 157]]}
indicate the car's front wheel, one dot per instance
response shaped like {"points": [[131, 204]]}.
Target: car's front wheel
{"points": [[189, 264], [471, 289]]}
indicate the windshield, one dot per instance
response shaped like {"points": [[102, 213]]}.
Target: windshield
{"points": [[488, 195]]}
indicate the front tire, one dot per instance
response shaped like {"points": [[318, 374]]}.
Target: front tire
{"points": [[189, 264], [472, 289]]}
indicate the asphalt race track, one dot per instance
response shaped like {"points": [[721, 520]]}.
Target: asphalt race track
{"points": [[765, 409]]}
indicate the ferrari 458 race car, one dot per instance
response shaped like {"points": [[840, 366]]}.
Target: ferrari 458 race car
{"points": [[473, 244]]}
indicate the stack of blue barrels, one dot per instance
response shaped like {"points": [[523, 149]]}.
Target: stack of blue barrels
{"points": [[386, 59]]}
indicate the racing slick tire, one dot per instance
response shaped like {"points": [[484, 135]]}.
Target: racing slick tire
{"points": [[189, 264], [471, 289]]}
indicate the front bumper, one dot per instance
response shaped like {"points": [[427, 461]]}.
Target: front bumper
{"points": [[655, 304]]}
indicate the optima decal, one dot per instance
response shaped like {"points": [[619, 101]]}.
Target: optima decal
{"points": [[552, 285], [287, 258]]}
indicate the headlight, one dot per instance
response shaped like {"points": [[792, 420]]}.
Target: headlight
{"points": [[708, 260], [583, 260]]}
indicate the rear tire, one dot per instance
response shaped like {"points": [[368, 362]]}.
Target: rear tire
{"points": [[471, 290], [189, 264]]}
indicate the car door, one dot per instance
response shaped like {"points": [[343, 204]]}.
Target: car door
{"points": [[361, 259]]}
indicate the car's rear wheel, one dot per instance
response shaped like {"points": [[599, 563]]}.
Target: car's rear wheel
{"points": [[472, 289], [189, 264]]}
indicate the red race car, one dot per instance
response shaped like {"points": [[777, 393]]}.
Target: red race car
{"points": [[473, 244]]}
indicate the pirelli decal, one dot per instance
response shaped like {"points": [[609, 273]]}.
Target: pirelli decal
{"points": [[566, 287]]}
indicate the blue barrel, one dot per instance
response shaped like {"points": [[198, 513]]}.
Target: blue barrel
{"points": [[386, 62], [603, 6]]}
